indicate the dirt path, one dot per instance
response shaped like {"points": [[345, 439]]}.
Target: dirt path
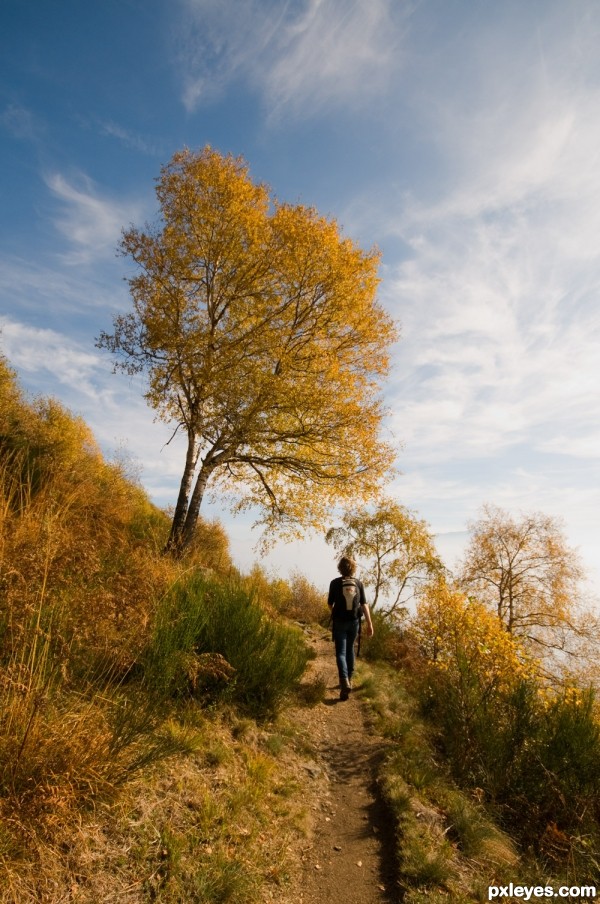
{"points": [[349, 857]]}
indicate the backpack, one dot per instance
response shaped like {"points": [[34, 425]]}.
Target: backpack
{"points": [[347, 605]]}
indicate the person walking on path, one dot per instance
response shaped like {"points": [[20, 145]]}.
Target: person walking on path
{"points": [[347, 602]]}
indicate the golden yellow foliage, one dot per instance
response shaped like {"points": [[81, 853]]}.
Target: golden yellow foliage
{"points": [[462, 638], [258, 325], [77, 539]]}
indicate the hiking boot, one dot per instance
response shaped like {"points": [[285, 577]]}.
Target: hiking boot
{"points": [[345, 688]]}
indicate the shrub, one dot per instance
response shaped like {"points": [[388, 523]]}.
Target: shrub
{"points": [[534, 752], [209, 548], [295, 598], [274, 593], [474, 671], [556, 774], [202, 617], [307, 603], [388, 643]]}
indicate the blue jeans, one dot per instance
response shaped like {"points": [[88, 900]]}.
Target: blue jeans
{"points": [[344, 635]]}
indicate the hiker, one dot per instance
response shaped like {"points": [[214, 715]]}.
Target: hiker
{"points": [[348, 603]]}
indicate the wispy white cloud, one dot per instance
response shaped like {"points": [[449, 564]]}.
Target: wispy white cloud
{"points": [[31, 285], [50, 363], [335, 53], [44, 351], [130, 138], [582, 446], [498, 292], [495, 383], [91, 223], [20, 122], [299, 57], [492, 356]]}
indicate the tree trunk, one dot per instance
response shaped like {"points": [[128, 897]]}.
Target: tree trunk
{"points": [[377, 581], [174, 543], [191, 518]]}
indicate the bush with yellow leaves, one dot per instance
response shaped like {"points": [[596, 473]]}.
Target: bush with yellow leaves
{"points": [[531, 750]]}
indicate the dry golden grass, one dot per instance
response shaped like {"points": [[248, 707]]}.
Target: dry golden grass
{"points": [[297, 598], [218, 825], [80, 575], [89, 809]]}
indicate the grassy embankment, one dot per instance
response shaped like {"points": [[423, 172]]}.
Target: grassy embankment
{"points": [[138, 696], [491, 776]]}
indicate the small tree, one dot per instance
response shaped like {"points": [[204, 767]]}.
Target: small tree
{"points": [[258, 326], [525, 571], [394, 548]]}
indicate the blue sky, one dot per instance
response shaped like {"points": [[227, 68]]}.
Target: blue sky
{"points": [[460, 136]]}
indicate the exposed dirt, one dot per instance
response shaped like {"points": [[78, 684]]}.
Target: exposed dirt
{"points": [[349, 856]]}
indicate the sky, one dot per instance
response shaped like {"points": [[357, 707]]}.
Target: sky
{"points": [[460, 137]]}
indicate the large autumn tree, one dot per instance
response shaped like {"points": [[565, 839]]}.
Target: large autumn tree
{"points": [[259, 329]]}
